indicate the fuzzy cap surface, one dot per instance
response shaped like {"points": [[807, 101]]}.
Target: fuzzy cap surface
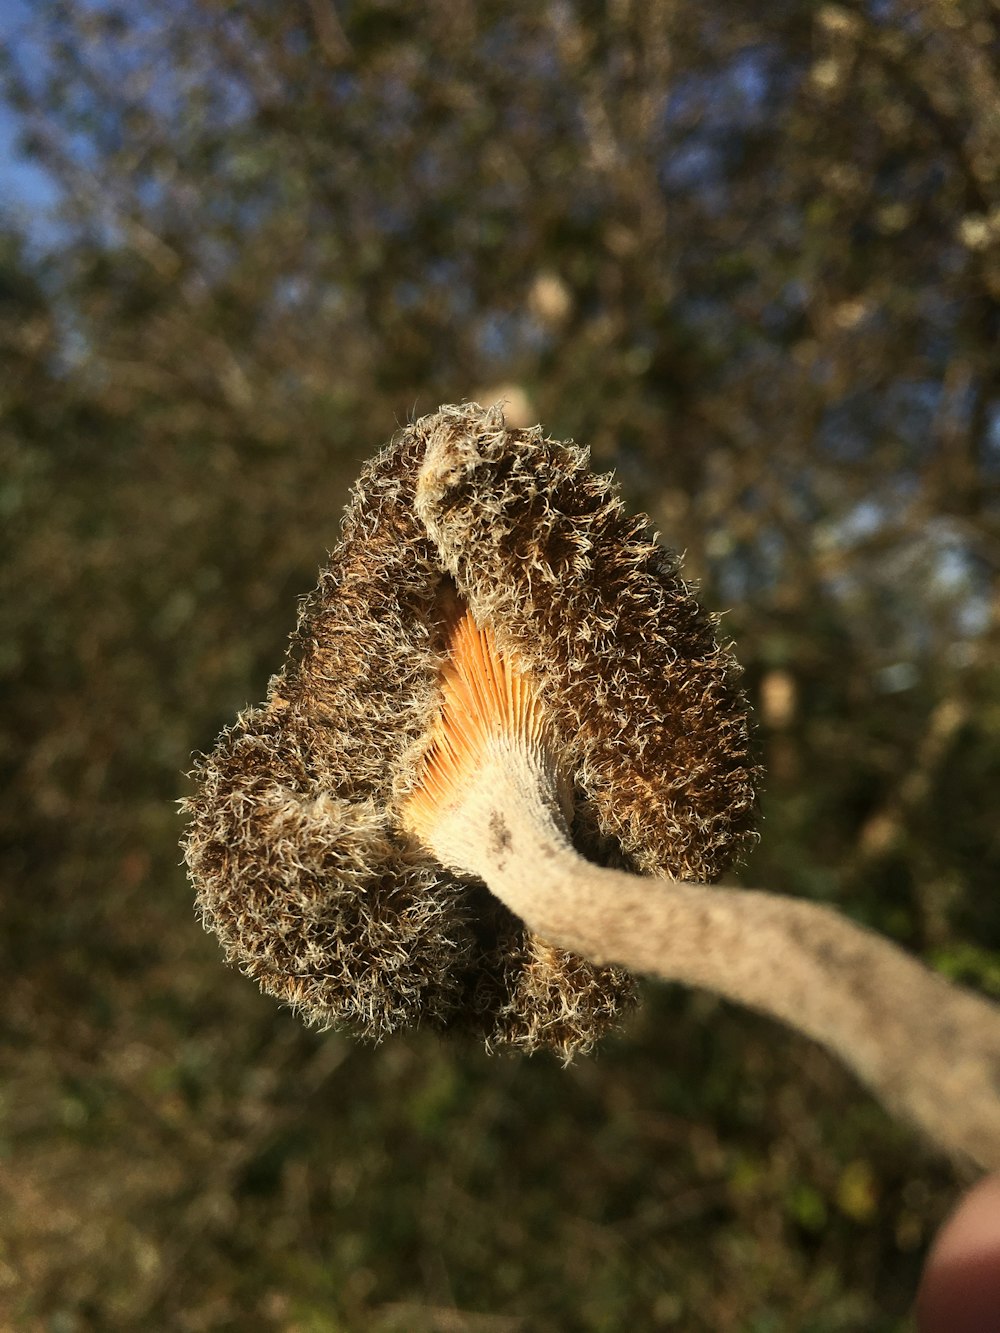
{"points": [[294, 841]]}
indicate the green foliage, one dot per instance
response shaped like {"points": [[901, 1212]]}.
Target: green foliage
{"points": [[754, 260]]}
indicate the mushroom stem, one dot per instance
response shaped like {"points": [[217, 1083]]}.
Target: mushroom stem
{"points": [[928, 1049]]}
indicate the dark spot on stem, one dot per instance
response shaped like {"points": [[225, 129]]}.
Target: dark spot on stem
{"points": [[500, 839]]}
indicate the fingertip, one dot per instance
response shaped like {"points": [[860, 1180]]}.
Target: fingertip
{"points": [[960, 1288]]}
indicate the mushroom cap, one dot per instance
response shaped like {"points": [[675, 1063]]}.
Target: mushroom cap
{"points": [[295, 844]]}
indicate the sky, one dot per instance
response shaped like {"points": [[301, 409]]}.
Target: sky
{"points": [[25, 189]]}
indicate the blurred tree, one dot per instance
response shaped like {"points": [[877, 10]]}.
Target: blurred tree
{"points": [[753, 259]]}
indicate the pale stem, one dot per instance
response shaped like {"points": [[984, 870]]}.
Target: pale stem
{"points": [[928, 1049]]}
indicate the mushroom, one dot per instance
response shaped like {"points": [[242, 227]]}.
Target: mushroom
{"points": [[504, 762], [295, 844]]}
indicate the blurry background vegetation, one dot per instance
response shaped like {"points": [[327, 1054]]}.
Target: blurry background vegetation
{"points": [[751, 254]]}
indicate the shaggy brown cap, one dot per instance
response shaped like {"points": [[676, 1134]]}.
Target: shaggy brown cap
{"points": [[295, 844]]}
